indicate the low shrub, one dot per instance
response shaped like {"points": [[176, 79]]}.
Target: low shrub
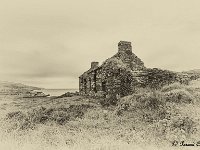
{"points": [[178, 128], [149, 101], [171, 87], [179, 96], [16, 115], [184, 123], [150, 105], [42, 115], [109, 101]]}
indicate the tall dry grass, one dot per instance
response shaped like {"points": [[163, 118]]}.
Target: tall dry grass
{"points": [[145, 120]]}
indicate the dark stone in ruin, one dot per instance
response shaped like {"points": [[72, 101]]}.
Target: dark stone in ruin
{"points": [[121, 74]]}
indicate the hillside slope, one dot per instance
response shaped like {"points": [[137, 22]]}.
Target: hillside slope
{"points": [[10, 88]]}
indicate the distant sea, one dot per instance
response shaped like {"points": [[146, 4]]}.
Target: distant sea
{"points": [[57, 92]]}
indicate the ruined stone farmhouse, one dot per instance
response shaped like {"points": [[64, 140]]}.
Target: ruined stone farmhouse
{"points": [[120, 74]]}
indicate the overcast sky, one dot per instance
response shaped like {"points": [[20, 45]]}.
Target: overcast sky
{"points": [[49, 43]]}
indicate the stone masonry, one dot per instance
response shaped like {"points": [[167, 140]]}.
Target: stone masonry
{"points": [[107, 79], [124, 73]]}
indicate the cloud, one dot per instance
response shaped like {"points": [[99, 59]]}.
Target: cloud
{"points": [[50, 43]]}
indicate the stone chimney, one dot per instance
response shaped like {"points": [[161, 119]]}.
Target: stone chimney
{"points": [[94, 65], [124, 46]]}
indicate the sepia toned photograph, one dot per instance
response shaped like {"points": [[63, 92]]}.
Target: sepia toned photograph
{"points": [[99, 74]]}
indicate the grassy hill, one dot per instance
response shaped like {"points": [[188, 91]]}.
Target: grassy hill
{"points": [[10, 88], [148, 119]]}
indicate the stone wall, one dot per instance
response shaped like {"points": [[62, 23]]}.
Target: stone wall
{"points": [[114, 75], [121, 74], [155, 78]]}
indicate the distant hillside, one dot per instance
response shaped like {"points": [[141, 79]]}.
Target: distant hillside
{"points": [[193, 74], [195, 71], [15, 88]]}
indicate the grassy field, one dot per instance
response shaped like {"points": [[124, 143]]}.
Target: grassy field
{"points": [[145, 120]]}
